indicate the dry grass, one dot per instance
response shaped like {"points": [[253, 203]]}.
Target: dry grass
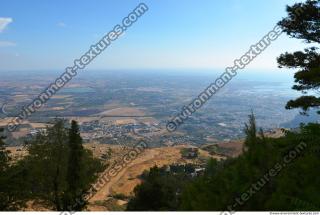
{"points": [[128, 178], [124, 121]]}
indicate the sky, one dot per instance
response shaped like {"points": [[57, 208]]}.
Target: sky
{"points": [[172, 34]]}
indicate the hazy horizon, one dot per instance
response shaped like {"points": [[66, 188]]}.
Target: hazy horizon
{"points": [[204, 35]]}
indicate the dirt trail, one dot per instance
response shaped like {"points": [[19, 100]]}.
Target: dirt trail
{"points": [[127, 179], [105, 191]]}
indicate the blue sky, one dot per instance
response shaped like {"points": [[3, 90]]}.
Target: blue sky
{"points": [[173, 34]]}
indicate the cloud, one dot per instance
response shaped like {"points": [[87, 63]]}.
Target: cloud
{"points": [[4, 22], [7, 44], [61, 24]]}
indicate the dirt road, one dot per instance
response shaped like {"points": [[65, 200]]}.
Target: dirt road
{"points": [[125, 181]]}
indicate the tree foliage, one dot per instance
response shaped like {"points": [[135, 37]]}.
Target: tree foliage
{"points": [[303, 22], [57, 170], [295, 186], [12, 181], [161, 189]]}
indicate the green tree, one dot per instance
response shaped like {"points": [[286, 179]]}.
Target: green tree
{"points": [[12, 181], [161, 189], [46, 165], [294, 187], [303, 22], [74, 197], [4, 154], [251, 130], [4, 165], [59, 171]]}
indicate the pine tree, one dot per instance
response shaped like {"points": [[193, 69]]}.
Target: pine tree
{"points": [[251, 130], [303, 22], [4, 164], [4, 155], [74, 175]]}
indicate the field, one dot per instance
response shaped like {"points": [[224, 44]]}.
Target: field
{"points": [[123, 111]]}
